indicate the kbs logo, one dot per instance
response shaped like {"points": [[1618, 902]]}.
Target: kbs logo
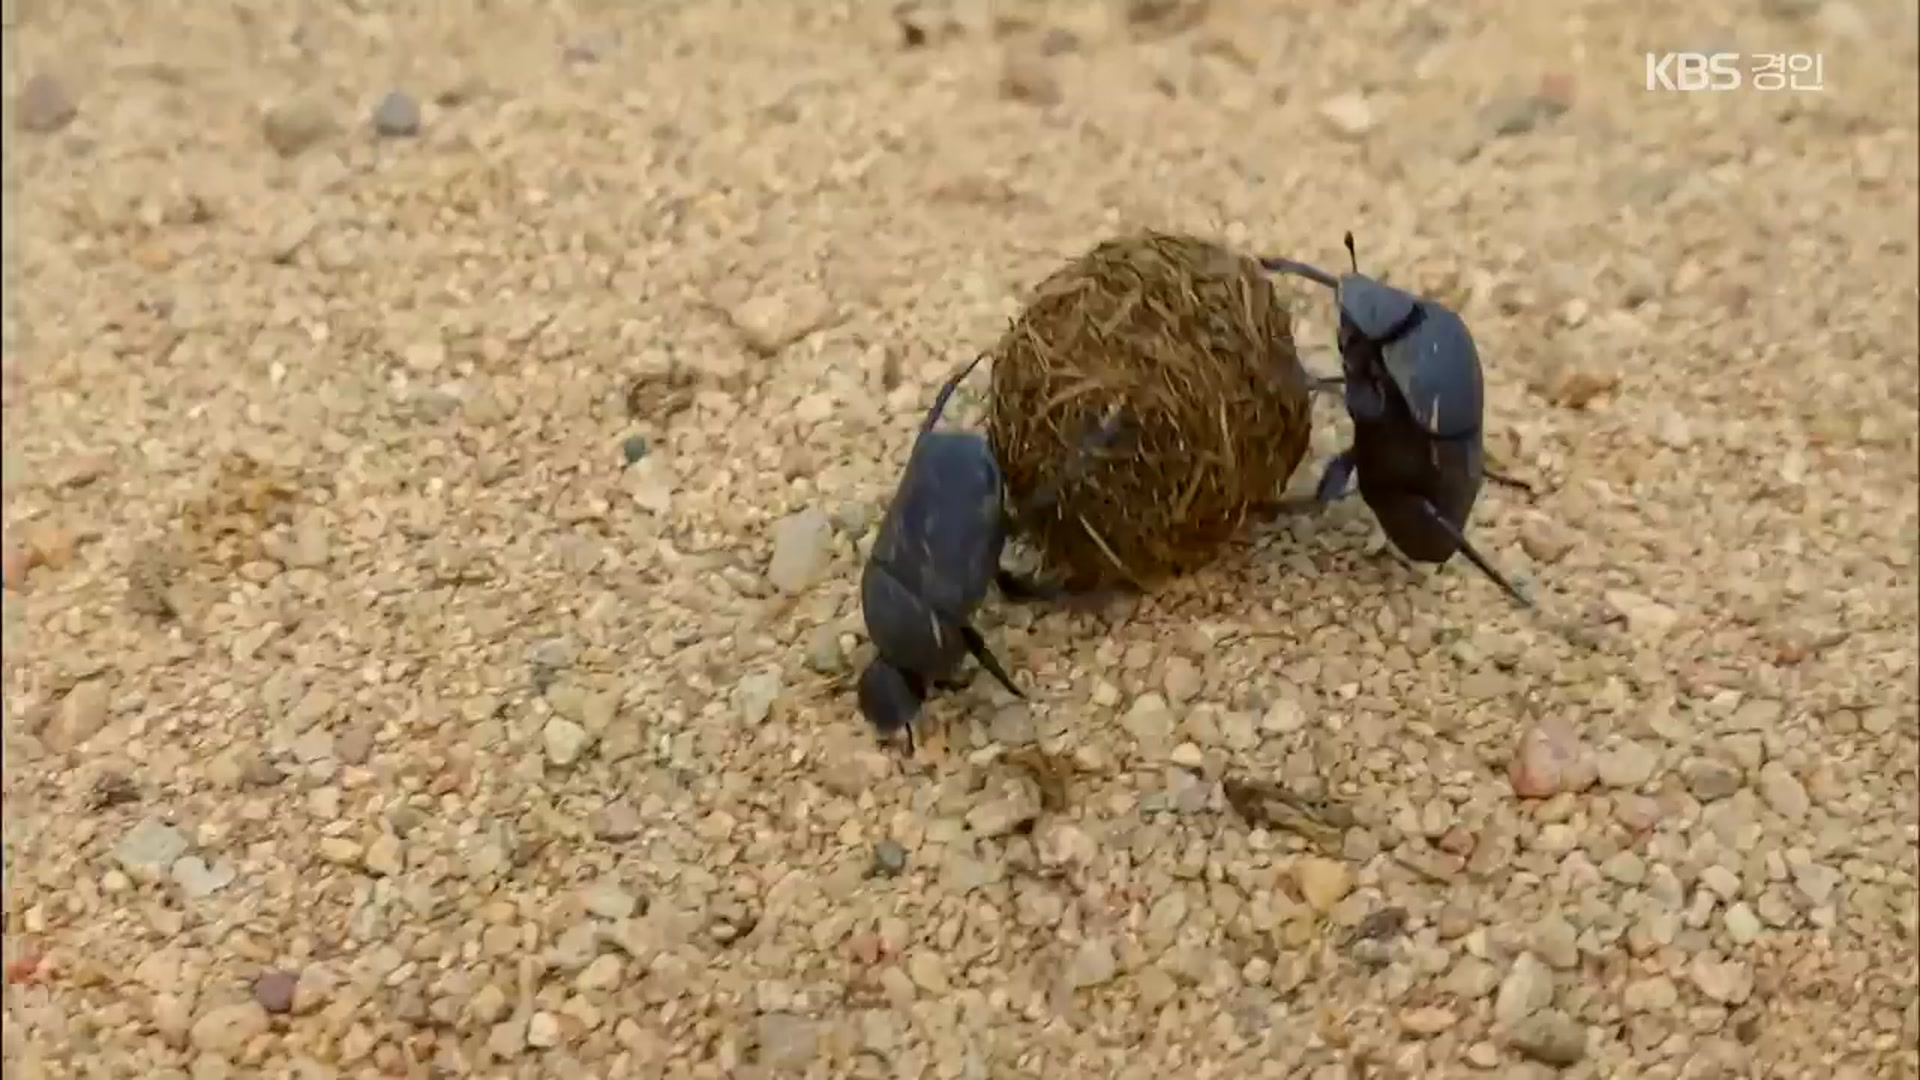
{"points": [[1693, 71]]}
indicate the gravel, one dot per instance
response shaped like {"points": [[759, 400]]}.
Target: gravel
{"points": [[430, 608]]}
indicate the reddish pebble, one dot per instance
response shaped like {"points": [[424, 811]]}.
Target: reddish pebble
{"points": [[1550, 759], [50, 546], [16, 564], [274, 991], [22, 969], [1457, 841], [1557, 87], [1636, 812]]}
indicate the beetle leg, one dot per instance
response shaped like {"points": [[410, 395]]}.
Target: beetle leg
{"points": [[1025, 590], [957, 681], [1326, 384], [1507, 480], [899, 742], [977, 645], [1297, 505], [1022, 589], [1273, 264], [1366, 401], [1335, 479], [1332, 488], [1473, 555]]}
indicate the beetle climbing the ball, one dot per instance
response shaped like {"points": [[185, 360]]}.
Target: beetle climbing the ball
{"points": [[1414, 392], [938, 547]]}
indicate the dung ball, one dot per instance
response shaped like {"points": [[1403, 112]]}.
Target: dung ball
{"points": [[1187, 347]]}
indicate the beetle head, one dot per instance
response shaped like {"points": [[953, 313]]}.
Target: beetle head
{"points": [[890, 699], [1369, 310]]}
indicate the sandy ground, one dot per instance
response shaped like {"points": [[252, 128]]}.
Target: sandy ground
{"points": [[396, 682]]}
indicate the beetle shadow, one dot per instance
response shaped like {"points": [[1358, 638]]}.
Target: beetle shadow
{"points": [[1338, 539]]}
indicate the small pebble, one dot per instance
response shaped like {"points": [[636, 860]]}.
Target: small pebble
{"points": [[44, 105], [1551, 1037], [1427, 1021], [603, 973], [83, 712], [1627, 766], [1518, 114], [1815, 882], [1651, 995], [1092, 964], [889, 859], [565, 741], [543, 1031], [754, 696], [1181, 680], [616, 821], [293, 126], [1743, 926], [148, 851], [198, 880], [1349, 115], [1527, 989], [1551, 758], [802, 548], [1626, 867], [788, 1043], [274, 991], [397, 115], [1027, 77], [1323, 882], [226, 1030], [1728, 982], [590, 46], [384, 857], [1556, 941], [340, 850], [928, 970], [1709, 779], [825, 655], [1783, 792], [1720, 881]]}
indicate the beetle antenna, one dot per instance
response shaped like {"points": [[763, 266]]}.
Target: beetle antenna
{"points": [[1299, 269], [1352, 257]]}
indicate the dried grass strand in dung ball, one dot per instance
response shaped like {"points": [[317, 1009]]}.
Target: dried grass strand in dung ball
{"points": [[1189, 343]]}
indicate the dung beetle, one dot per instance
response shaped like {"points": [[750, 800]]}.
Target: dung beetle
{"points": [[938, 548], [1413, 388]]}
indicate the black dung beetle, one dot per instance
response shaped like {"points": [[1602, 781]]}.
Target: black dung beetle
{"points": [[1413, 389], [938, 547]]}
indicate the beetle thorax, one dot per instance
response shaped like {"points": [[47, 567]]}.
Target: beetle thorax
{"points": [[1379, 313]]}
